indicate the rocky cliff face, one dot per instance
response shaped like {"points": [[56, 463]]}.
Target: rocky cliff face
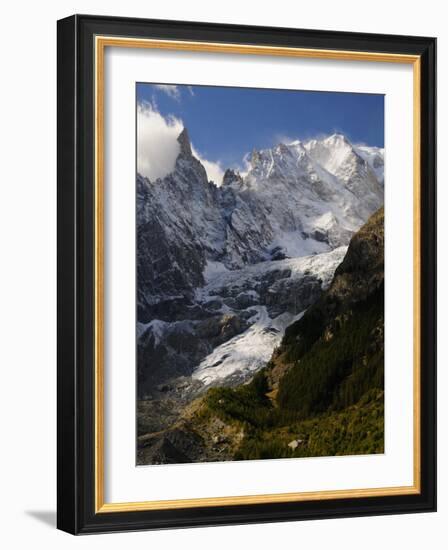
{"points": [[295, 200], [224, 268], [179, 225]]}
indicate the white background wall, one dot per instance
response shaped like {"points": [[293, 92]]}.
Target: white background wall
{"points": [[28, 272]]}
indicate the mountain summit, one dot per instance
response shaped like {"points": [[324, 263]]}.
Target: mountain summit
{"points": [[184, 142]]}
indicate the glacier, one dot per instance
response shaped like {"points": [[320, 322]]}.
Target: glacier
{"points": [[242, 355]]}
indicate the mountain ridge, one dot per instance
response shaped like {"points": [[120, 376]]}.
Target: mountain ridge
{"points": [[286, 202]]}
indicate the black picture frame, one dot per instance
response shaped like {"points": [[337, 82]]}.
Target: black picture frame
{"points": [[76, 255]]}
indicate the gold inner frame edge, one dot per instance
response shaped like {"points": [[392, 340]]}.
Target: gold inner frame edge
{"points": [[101, 42]]}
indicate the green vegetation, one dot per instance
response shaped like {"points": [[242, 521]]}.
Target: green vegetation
{"points": [[246, 404], [340, 366], [356, 430]]}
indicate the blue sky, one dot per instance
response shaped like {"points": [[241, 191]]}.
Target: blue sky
{"points": [[227, 123]]}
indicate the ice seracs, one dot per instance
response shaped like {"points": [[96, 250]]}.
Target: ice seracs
{"points": [[274, 293]]}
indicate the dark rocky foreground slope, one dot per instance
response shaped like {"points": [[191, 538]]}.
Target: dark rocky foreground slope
{"points": [[321, 393]]}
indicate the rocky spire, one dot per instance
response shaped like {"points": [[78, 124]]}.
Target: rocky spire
{"points": [[230, 176], [184, 142]]}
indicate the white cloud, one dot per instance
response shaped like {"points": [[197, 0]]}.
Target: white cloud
{"points": [[283, 138], [214, 170], [157, 146], [170, 90], [245, 166]]}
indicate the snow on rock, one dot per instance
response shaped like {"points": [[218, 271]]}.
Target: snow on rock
{"points": [[156, 327], [294, 200], [245, 353], [321, 266], [374, 156], [213, 270]]}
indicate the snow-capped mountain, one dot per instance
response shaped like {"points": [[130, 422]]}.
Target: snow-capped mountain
{"points": [[252, 233]]}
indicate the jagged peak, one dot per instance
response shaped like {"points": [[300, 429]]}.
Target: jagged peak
{"points": [[231, 176], [297, 146], [284, 149], [184, 142], [337, 137]]}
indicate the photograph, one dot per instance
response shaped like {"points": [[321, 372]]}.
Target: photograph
{"points": [[220, 266], [246, 270], [259, 273]]}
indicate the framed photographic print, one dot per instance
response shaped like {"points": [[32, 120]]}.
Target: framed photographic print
{"points": [[246, 274]]}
